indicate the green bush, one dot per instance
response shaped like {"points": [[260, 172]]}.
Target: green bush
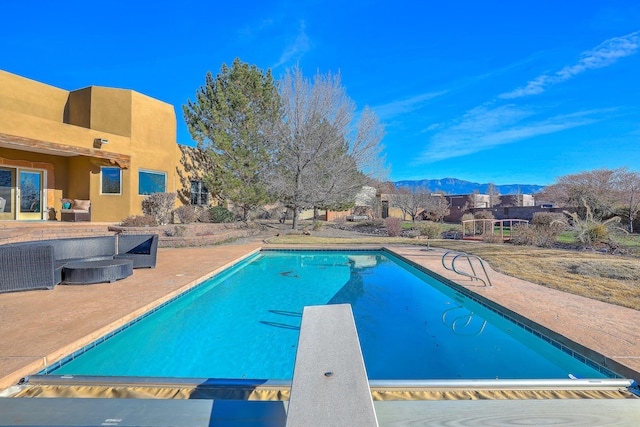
{"points": [[139, 221], [159, 206], [221, 214]]}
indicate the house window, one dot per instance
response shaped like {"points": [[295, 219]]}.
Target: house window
{"points": [[110, 180], [199, 193], [150, 182]]}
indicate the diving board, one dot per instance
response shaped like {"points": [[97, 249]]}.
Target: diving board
{"points": [[330, 385]]}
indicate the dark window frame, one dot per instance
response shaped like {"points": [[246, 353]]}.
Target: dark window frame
{"points": [[199, 194]]}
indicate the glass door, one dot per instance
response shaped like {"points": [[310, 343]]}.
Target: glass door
{"points": [[7, 193], [30, 192]]}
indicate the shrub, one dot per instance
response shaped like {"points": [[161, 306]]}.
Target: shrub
{"points": [[524, 235], [590, 231], [139, 221], [159, 206], [185, 214], [430, 229], [221, 214], [543, 232], [468, 227], [317, 225], [483, 215], [394, 226], [178, 231], [203, 214], [378, 223], [412, 233], [549, 219]]}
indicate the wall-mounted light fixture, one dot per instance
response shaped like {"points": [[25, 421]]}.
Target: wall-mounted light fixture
{"points": [[99, 142]]}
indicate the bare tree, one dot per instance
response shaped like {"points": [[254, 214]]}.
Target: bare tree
{"points": [[438, 207], [627, 185], [594, 188], [411, 201], [494, 195], [519, 197], [323, 156], [475, 200]]}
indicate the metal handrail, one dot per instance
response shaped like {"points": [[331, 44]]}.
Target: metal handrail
{"points": [[468, 257]]}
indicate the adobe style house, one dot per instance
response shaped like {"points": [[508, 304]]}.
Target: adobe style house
{"points": [[110, 146], [463, 203]]}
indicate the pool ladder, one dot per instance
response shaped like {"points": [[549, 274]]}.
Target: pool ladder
{"points": [[460, 255]]}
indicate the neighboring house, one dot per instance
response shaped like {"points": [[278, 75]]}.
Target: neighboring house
{"points": [[110, 146], [368, 203]]}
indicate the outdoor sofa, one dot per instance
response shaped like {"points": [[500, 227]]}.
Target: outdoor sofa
{"points": [[40, 264], [80, 210], [141, 249]]}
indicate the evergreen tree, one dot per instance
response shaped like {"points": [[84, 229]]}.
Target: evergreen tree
{"points": [[234, 117]]}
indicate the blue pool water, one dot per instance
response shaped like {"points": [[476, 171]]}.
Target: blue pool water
{"points": [[245, 322]]}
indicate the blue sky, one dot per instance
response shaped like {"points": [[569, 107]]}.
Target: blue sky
{"points": [[486, 91]]}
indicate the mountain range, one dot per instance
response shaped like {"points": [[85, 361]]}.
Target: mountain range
{"points": [[459, 186]]}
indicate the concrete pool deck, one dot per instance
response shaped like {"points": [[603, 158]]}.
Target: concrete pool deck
{"points": [[40, 327]]}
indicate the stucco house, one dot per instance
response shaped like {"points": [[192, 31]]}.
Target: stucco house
{"points": [[110, 146]]}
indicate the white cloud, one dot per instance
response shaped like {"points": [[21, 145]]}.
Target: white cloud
{"points": [[603, 55], [486, 127], [251, 32], [295, 50], [402, 106]]}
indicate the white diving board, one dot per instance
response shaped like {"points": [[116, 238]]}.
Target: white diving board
{"points": [[330, 385]]}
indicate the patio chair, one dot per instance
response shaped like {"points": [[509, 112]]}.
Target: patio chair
{"points": [[80, 211]]}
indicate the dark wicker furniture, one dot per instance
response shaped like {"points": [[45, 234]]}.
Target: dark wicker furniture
{"points": [[77, 249], [80, 211], [24, 268], [70, 215], [40, 264], [141, 249], [86, 272]]}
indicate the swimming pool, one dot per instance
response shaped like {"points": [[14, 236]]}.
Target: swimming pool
{"points": [[244, 323]]}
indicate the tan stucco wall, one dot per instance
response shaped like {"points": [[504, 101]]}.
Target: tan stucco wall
{"points": [[111, 110], [29, 97], [153, 143], [134, 124]]}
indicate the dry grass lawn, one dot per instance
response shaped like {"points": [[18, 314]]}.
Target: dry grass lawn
{"points": [[609, 278]]}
